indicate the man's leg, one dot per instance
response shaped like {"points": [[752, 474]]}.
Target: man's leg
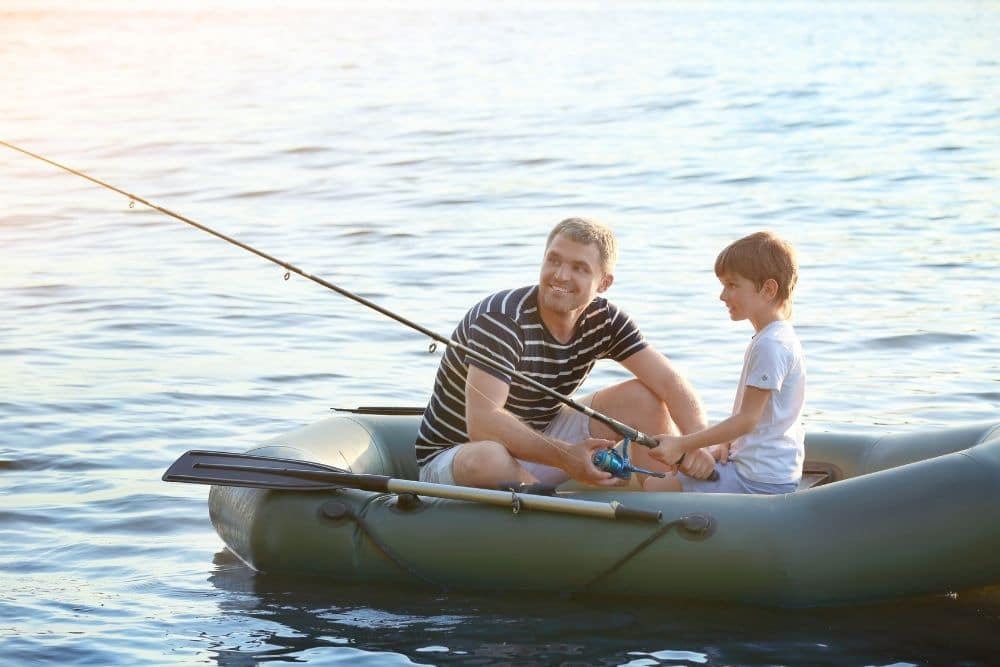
{"points": [[633, 404], [487, 464]]}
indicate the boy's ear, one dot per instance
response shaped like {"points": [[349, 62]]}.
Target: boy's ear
{"points": [[605, 282], [770, 288]]}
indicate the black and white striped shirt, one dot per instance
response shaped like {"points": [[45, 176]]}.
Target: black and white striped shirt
{"points": [[508, 328]]}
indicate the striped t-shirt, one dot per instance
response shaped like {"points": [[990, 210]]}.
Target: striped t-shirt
{"points": [[508, 328]]}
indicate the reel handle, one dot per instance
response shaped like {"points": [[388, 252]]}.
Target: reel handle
{"points": [[611, 461]]}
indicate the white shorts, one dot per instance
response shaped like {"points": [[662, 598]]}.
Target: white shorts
{"points": [[569, 425]]}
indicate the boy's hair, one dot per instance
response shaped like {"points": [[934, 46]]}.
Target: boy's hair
{"points": [[586, 231], [760, 256]]}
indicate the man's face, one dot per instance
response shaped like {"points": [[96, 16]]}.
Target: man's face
{"points": [[571, 275]]}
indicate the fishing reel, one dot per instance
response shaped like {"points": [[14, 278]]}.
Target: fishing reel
{"points": [[619, 465]]}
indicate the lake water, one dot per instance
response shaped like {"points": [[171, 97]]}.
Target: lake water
{"points": [[418, 158]]}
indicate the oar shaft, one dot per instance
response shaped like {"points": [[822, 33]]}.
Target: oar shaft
{"points": [[612, 510]]}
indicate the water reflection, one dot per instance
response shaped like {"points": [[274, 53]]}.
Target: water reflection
{"points": [[418, 158], [325, 621]]}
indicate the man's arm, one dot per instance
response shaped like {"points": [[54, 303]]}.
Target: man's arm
{"points": [[486, 419], [659, 375]]}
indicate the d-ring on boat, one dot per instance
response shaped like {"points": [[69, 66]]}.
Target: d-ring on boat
{"points": [[878, 516]]}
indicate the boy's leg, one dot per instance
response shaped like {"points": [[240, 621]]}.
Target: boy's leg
{"points": [[669, 483]]}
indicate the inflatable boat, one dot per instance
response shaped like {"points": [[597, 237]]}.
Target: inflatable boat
{"points": [[877, 516]]}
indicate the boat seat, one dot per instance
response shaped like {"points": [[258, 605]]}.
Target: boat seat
{"points": [[811, 479], [815, 474]]}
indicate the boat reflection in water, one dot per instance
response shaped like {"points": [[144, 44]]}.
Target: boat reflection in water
{"points": [[323, 621]]}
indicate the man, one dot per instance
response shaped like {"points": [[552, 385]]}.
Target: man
{"points": [[483, 427]]}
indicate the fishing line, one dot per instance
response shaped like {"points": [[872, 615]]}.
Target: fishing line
{"points": [[618, 427]]}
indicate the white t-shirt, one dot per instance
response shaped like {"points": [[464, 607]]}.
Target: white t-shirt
{"points": [[773, 452]]}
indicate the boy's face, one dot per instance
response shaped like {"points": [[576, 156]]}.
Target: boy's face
{"points": [[743, 299]]}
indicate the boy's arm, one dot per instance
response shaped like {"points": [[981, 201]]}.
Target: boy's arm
{"points": [[745, 420]]}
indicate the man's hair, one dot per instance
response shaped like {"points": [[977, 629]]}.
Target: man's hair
{"points": [[758, 257], [586, 231]]}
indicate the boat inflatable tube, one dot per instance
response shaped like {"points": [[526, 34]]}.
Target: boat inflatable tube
{"points": [[884, 516]]}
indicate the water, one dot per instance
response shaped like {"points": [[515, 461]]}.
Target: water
{"points": [[418, 157]]}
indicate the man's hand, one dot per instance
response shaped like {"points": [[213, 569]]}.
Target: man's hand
{"points": [[581, 463]]}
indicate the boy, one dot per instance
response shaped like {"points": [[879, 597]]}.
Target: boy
{"points": [[763, 439]]}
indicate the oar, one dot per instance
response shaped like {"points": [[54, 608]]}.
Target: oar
{"points": [[267, 472]]}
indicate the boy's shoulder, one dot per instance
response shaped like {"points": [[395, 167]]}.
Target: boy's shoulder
{"points": [[782, 333], [778, 329]]}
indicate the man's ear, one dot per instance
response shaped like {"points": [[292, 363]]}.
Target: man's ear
{"points": [[605, 282]]}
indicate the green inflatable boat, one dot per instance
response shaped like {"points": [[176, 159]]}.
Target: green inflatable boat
{"points": [[877, 516]]}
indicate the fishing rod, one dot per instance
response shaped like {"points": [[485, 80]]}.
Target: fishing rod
{"points": [[618, 466]]}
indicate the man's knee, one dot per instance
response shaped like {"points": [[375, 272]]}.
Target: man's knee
{"points": [[473, 459], [635, 404], [639, 395]]}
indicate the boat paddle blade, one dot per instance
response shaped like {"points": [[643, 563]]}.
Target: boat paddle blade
{"points": [[263, 472]]}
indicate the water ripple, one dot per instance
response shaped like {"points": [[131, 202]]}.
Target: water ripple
{"points": [[420, 158], [930, 339]]}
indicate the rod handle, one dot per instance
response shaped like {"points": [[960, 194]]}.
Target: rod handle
{"points": [[624, 512]]}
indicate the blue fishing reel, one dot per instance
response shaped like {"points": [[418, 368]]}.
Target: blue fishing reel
{"points": [[619, 465]]}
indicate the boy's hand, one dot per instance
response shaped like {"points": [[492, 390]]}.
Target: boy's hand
{"points": [[698, 464], [668, 452], [721, 452]]}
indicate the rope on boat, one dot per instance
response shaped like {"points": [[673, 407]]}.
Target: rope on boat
{"points": [[698, 525], [695, 524], [337, 510]]}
